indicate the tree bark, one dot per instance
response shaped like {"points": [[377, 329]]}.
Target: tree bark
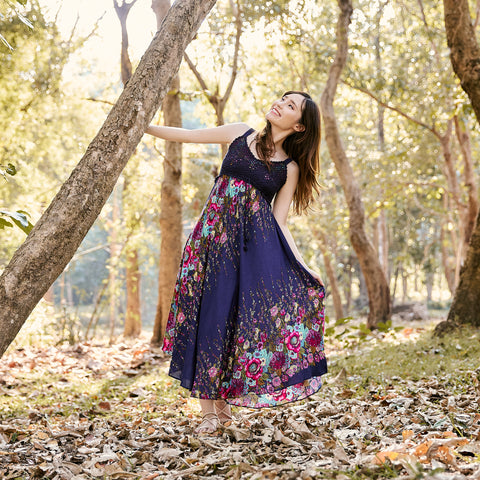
{"points": [[171, 201], [57, 235], [133, 317], [469, 178], [122, 12], [465, 57], [377, 287], [332, 278], [114, 256]]}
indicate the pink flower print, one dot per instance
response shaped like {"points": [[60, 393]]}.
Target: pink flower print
{"points": [[253, 369], [256, 206], [293, 342], [237, 182], [321, 294], [305, 363], [316, 357], [213, 372], [180, 318], [282, 311], [310, 358], [212, 214], [223, 237], [279, 396], [240, 339], [311, 292], [278, 360], [236, 388], [167, 345], [314, 338], [263, 337], [276, 382], [301, 311], [197, 231], [270, 388], [274, 311], [188, 251]]}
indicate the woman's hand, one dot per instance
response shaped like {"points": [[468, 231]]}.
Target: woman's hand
{"points": [[316, 276]]}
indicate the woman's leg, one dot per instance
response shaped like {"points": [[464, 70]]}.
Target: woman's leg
{"points": [[223, 410], [210, 420]]}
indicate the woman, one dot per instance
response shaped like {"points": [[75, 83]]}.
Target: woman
{"points": [[246, 322]]}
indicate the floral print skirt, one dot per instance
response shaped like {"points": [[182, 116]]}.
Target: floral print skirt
{"points": [[246, 322]]}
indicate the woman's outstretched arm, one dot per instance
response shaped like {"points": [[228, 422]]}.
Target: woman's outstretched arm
{"points": [[222, 134], [281, 207]]}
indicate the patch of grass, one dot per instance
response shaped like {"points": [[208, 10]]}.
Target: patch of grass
{"points": [[455, 358]]}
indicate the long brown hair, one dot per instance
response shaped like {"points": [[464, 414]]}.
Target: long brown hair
{"points": [[303, 147]]}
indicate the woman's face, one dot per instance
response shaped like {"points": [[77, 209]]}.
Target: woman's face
{"points": [[286, 112]]}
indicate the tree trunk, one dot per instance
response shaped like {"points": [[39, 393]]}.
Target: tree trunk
{"points": [[332, 278], [171, 201], [382, 232], [347, 285], [133, 319], [377, 287], [49, 297], [448, 269], [383, 244], [465, 56], [114, 255], [469, 178], [57, 235], [133, 316]]}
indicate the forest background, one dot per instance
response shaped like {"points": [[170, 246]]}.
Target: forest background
{"points": [[80, 399], [407, 127]]}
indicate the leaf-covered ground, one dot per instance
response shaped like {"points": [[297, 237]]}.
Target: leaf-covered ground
{"points": [[404, 407]]}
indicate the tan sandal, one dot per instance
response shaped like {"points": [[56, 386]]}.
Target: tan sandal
{"points": [[210, 423], [224, 412]]}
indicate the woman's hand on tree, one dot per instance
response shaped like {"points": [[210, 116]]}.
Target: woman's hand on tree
{"points": [[316, 276]]}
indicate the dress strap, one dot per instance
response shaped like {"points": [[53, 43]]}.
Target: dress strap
{"points": [[248, 132]]}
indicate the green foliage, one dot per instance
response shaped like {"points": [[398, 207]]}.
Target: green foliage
{"points": [[19, 218], [8, 169]]}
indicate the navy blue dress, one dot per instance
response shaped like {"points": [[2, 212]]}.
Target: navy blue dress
{"points": [[246, 322]]}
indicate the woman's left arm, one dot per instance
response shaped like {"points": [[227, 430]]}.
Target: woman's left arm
{"points": [[281, 207]]}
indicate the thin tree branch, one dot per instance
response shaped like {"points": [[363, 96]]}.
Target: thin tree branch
{"points": [[233, 76], [92, 99], [434, 46], [197, 74], [395, 109]]}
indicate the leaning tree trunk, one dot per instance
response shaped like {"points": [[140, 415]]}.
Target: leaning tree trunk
{"points": [[133, 316], [377, 287], [465, 57], [171, 200], [60, 230]]}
